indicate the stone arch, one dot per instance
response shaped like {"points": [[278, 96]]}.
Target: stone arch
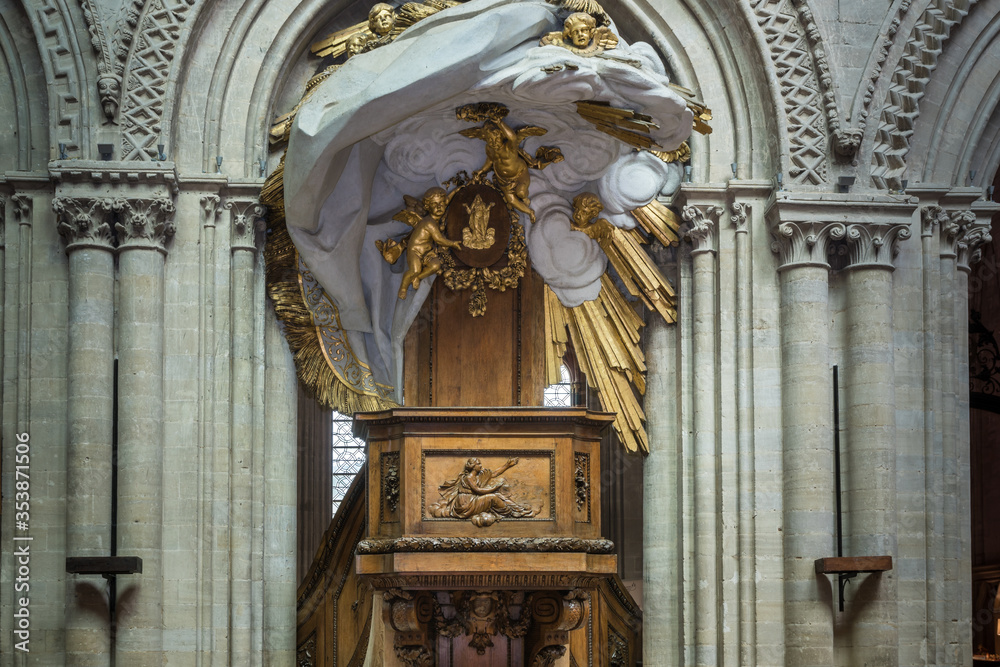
{"points": [[25, 82], [962, 133]]}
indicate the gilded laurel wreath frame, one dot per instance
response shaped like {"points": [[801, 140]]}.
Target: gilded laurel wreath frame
{"points": [[478, 279]]}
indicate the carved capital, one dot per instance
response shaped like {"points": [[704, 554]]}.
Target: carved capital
{"points": [[246, 214], [210, 210], [738, 216], [22, 208], [952, 224], [703, 226], [931, 219], [805, 243], [874, 245], [145, 223], [975, 234], [85, 222]]}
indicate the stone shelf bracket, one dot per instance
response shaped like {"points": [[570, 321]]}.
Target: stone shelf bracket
{"points": [[848, 567]]}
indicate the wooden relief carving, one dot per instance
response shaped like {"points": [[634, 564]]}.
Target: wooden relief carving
{"points": [[476, 489], [305, 654], [390, 480], [480, 495], [581, 477], [617, 649]]}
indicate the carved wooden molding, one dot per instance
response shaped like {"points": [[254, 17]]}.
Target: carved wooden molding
{"points": [[485, 545]]}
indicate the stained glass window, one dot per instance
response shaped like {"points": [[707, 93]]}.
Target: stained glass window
{"points": [[348, 457]]}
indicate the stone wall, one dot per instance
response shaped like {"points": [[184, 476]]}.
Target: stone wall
{"points": [[832, 217]]}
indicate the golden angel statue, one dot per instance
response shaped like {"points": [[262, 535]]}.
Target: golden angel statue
{"points": [[421, 258], [505, 157]]}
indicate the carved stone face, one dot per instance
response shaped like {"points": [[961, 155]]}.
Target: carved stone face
{"points": [[109, 87], [381, 19]]}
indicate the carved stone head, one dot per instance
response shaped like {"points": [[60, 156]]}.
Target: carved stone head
{"points": [[109, 87]]}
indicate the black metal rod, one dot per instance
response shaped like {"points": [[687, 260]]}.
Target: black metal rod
{"points": [[836, 461], [112, 579]]}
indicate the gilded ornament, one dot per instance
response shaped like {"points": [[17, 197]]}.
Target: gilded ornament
{"points": [[582, 36], [478, 235], [505, 156], [480, 495], [425, 217]]}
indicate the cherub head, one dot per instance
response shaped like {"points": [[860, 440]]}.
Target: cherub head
{"points": [[585, 207], [356, 44], [578, 29], [381, 19], [435, 202]]}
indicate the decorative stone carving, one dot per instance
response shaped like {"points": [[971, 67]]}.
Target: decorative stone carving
{"points": [[22, 208], [703, 228], [739, 216], [951, 223], [974, 235], [109, 87], [877, 63], [932, 218], [210, 210], [486, 544], [145, 223], [798, 80], [805, 243], [246, 216], [85, 222], [66, 70], [847, 141], [148, 68], [920, 57], [873, 244]]}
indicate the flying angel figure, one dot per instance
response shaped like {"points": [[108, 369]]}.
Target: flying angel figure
{"points": [[507, 159]]}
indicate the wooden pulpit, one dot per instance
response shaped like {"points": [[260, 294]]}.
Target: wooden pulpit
{"points": [[484, 531]]}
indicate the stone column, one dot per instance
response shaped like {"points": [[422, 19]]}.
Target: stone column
{"points": [[975, 233], [84, 224], [870, 414], [663, 565], [745, 444], [807, 433], [707, 505], [145, 227], [244, 250]]}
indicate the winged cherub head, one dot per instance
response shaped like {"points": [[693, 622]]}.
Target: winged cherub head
{"points": [[578, 29]]}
